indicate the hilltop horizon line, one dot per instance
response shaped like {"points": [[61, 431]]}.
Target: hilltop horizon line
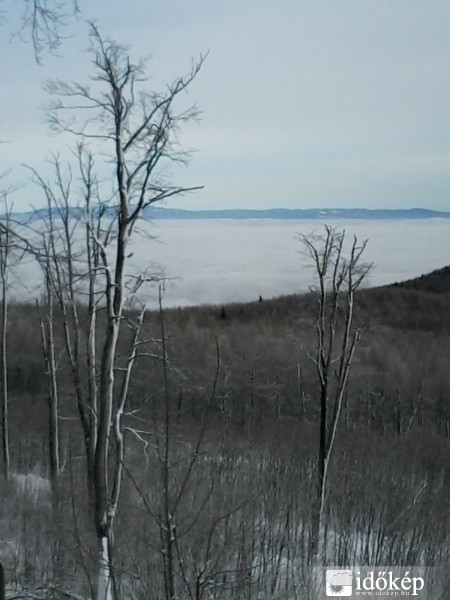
{"points": [[154, 212]]}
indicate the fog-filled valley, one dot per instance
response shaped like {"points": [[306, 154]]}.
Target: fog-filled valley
{"points": [[215, 261]]}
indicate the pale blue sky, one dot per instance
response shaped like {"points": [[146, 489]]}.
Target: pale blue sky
{"points": [[305, 103]]}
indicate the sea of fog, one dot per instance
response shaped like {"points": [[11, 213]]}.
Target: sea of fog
{"points": [[220, 261]]}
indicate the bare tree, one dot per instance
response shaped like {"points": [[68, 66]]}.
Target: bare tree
{"points": [[338, 278], [140, 129], [47, 326], [5, 250], [43, 22], [2, 583]]}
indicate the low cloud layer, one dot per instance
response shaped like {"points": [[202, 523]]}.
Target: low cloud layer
{"points": [[215, 262]]}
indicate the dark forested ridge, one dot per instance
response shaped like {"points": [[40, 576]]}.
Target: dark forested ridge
{"points": [[238, 408], [437, 281]]}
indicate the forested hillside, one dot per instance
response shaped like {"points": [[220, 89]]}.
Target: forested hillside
{"points": [[225, 433]]}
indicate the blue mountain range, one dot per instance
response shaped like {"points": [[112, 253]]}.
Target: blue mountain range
{"points": [[321, 214]]}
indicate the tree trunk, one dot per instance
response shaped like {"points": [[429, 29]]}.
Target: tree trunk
{"points": [[104, 580], [5, 417], [48, 349], [2, 583], [4, 357]]}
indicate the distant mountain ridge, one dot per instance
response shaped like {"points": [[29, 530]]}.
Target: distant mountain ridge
{"points": [[156, 212], [321, 214]]}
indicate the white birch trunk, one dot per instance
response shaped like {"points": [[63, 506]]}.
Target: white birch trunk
{"points": [[104, 582]]}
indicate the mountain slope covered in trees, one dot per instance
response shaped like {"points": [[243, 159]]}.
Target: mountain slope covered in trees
{"points": [[238, 408]]}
